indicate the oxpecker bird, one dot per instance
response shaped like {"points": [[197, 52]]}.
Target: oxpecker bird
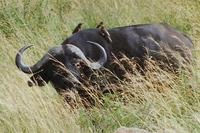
{"points": [[105, 34], [99, 25], [78, 28]]}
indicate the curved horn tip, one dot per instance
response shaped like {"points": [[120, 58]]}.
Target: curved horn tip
{"points": [[28, 46], [103, 59], [25, 47], [90, 41], [94, 43], [22, 66]]}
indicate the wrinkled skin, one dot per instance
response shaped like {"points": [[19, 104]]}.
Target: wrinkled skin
{"points": [[136, 41]]}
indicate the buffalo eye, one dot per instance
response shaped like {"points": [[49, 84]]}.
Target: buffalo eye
{"points": [[77, 65]]}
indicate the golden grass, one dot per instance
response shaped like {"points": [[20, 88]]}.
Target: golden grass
{"points": [[155, 102]]}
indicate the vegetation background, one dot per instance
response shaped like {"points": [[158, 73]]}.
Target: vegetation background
{"points": [[46, 23]]}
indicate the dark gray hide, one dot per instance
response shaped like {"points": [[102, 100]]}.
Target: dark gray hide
{"points": [[134, 41]]}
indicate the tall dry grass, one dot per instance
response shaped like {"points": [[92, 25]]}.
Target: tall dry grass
{"points": [[155, 102]]}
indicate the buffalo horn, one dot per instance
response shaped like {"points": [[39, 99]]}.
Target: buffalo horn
{"points": [[94, 65], [38, 66]]}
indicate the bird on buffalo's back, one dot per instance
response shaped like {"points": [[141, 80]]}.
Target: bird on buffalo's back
{"points": [[105, 34], [78, 28], [100, 24]]}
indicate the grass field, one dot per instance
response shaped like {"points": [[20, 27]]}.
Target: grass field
{"points": [[47, 23]]}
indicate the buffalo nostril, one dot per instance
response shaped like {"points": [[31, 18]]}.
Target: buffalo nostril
{"points": [[30, 83]]}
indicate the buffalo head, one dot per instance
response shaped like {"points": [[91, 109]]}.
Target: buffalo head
{"points": [[60, 65]]}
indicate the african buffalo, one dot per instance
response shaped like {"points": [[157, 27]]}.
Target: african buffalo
{"points": [[96, 47]]}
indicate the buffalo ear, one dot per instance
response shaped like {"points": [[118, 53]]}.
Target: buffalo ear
{"points": [[77, 28], [105, 34]]}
